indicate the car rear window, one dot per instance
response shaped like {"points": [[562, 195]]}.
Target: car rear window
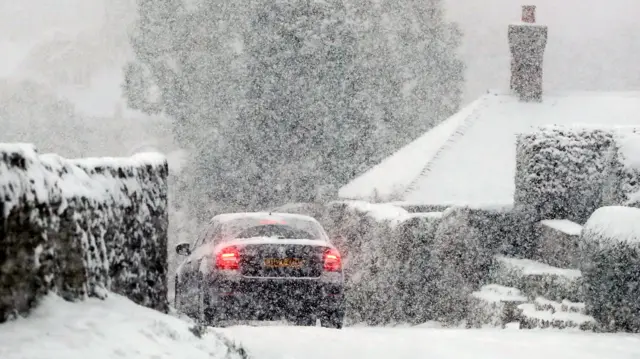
{"points": [[285, 228]]}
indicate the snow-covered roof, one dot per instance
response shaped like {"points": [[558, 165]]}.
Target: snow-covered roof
{"points": [[470, 157]]}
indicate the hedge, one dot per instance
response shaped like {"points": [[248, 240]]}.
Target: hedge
{"points": [[560, 172], [568, 172], [610, 264], [81, 228], [387, 249]]}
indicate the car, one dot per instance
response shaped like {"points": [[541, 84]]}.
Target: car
{"points": [[261, 266]]}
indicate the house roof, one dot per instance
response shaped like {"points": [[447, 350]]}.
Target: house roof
{"points": [[470, 157]]}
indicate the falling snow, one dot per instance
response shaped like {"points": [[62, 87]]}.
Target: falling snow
{"points": [[452, 206]]}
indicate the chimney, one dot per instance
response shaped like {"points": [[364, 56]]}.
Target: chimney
{"points": [[527, 41]]}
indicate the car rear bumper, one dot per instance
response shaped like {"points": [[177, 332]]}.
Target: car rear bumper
{"points": [[272, 298]]}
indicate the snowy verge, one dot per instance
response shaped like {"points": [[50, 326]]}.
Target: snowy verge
{"points": [[412, 343], [81, 227], [610, 258], [111, 328]]}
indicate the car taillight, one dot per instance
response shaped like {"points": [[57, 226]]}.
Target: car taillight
{"points": [[332, 260], [228, 258]]}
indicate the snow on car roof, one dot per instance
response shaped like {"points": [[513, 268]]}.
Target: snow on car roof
{"points": [[227, 217]]}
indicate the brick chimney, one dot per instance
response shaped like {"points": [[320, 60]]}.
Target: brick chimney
{"points": [[527, 41]]}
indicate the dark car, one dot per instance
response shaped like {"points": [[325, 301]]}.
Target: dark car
{"points": [[264, 267]]}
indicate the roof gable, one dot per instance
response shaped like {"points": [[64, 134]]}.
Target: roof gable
{"points": [[470, 157]]}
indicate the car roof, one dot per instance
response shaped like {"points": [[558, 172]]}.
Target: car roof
{"points": [[226, 217]]}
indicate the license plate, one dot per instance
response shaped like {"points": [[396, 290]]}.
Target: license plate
{"points": [[283, 263]]}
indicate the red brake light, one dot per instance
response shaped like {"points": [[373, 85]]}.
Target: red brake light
{"points": [[228, 258], [332, 260], [271, 221]]}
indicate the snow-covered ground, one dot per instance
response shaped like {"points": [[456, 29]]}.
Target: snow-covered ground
{"points": [[277, 342], [117, 328], [113, 328]]}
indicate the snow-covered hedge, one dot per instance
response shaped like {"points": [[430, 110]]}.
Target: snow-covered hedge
{"points": [[387, 262], [535, 278], [365, 229], [560, 172], [568, 172], [416, 279], [81, 228], [558, 243], [622, 185], [416, 267], [465, 242], [494, 305], [610, 263]]}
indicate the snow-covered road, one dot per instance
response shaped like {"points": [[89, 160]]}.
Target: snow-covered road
{"points": [[117, 328], [282, 342]]}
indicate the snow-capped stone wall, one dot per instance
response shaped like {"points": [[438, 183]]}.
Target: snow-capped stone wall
{"points": [[81, 228]]}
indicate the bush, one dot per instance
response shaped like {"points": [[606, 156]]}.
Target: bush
{"points": [[558, 243], [610, 262], [568, 172], [622, 183], [560, 172], [416, 278], [537, 279], [466, 241], [364, 236], [459, 256], [388, 249], [80, 228]]}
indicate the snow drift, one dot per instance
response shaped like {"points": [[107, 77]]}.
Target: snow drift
{"points": [[81, 227], [111, 328]]}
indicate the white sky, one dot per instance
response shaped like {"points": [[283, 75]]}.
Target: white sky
{"points": [[593, 44]]}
